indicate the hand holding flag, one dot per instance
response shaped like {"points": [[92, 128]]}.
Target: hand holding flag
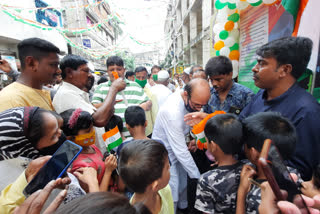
{"points": [[112, 138], [116, 76], [198, 130]]}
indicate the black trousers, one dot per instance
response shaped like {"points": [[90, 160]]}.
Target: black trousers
{"points": [[203, 164]]}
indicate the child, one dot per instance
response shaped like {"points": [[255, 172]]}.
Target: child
{"points": [[116, 185], [78, 127], [258, 128], [217, 188], [312, 188], [136, 124], [144, 168]]}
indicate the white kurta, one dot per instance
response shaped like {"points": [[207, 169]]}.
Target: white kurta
{"points": [[171, 129], [161, 92]]}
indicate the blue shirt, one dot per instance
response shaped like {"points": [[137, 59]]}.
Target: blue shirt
{"points": [[302, 109], [239, 96]]}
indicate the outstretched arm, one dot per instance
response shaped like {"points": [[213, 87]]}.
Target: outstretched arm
{"points": [[244, 188], [106, 109], [110, 164]]}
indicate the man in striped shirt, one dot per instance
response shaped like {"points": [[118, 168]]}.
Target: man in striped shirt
{"points": [[133, 94]]}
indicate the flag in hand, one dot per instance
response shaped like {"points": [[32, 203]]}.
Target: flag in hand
{"points": [[112, 138], [198, 130]]}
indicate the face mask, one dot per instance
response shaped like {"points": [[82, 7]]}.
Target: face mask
{"points": [[188, 106], [155, 77], [50, 150], [142, 83], [86, 139]]}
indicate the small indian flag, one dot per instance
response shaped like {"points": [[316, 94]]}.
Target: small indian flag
{"points": [[201, 137], [112, 138], [201, 141], [198, 130]]}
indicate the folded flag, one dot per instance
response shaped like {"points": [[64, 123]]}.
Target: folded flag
{"points": [[112, 138], [198, 130]]}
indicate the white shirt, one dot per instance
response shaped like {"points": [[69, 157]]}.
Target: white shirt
{"points": [[69, 96], [161, 92], [171, 129]]}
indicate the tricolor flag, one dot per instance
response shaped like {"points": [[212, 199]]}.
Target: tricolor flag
{"points": [[198, 130], [112, 138]]}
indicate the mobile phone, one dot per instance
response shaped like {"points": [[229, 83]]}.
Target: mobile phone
{"points": [[276, 172], [55, 167]]}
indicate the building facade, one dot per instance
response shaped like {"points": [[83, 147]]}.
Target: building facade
{"points": [[188, 24], [20, 19], [102, 38], [148, 58], [14, 31]]}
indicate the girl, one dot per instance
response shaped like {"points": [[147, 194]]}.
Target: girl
{"points": [[78, 127], [28, 132]]}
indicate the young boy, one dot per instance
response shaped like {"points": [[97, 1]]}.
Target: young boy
{"points": [[217, 188], [136, 124], [144, 168], [257, 128]]}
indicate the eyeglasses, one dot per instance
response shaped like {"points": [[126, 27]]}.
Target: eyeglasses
{"points": [[195, 105]]}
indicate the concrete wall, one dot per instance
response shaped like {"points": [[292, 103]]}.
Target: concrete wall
{"points": [[207, 11], [190, 30], [100, 38]]}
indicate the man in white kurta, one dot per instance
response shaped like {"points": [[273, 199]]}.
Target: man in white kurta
{"points": [[160, 89], [171, 129]]}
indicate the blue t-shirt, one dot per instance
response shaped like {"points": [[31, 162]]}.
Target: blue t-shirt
{"points": [[238, 97], [302, 109], [128, 140]]}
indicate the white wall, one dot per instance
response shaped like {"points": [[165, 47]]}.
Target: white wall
{"points": [[18, 31]]}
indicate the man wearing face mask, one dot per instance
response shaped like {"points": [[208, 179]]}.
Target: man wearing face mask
{"points": [[171, 129], [141, 75]]}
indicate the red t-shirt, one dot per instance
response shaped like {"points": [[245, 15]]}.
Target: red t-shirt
{"points": [[94, 160]]}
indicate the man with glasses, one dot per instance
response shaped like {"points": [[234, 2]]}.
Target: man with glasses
{"points": [[226, 95], [171, 129]]}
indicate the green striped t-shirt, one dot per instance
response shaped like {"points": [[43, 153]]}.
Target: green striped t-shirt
{"points": [[133, 93]]}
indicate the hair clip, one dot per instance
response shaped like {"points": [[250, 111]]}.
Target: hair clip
{"points": [[74, 118]]}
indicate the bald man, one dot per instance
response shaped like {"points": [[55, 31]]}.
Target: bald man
{"points": [[171, 129]]}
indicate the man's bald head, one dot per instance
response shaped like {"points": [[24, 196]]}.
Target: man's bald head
{"points": [[196, 85], [197, 92]]}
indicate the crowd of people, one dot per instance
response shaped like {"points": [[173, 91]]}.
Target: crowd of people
{"points": [[152, 163]]}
